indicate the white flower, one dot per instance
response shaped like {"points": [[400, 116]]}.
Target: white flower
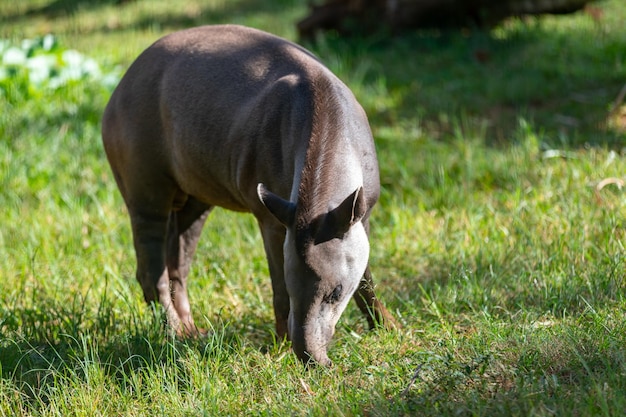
{"points": [[14, 56], [27, 44], [72, 58], [91, 68], [48, 42], [40, 68]]}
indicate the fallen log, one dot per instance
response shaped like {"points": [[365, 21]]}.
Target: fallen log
{"points": [[345, 15]]}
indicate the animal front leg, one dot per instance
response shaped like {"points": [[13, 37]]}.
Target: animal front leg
{"points": [[273, 239], [184, 232]]}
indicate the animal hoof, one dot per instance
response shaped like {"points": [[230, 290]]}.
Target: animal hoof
{"points": [[192, 333]]}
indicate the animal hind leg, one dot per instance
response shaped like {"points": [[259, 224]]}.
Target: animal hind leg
{"points": [[185, 227], [149, 237], [374, 311], [149, 198]]}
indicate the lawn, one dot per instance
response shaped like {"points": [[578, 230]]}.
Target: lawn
{"points": [[498, 241]]}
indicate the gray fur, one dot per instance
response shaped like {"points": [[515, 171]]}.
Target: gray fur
{"points": [[234, 117]]}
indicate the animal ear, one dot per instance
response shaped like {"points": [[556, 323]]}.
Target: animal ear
{"points": [[338, 221], [359, 207], [284, 211]]}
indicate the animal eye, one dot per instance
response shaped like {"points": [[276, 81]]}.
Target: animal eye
{"points": [[334, 296]]}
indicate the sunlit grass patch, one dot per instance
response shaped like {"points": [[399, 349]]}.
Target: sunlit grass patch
{"points": [[497, 241]]}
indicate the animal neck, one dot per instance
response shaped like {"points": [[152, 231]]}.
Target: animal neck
{"points": [[329, 170]]}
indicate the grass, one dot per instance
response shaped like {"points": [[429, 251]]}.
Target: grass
{"points": [[493, 242]]}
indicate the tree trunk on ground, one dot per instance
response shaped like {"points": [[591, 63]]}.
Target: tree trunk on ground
{"points": [[344, 15]]}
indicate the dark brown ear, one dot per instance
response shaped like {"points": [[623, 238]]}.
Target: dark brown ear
{"points": [[284, 211], [338, 221]]}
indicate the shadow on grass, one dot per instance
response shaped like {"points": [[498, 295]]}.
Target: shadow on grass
{"points": [[449, 83], [508, 290], [226, 12], [565, 82], [58, 8], [567, 371], [53, 340], [180, 18]]}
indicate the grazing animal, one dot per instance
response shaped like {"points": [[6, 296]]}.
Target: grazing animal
{"points": [[234, 117]]}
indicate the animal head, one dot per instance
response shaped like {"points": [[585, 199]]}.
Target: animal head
{"points": [[324, 260]]}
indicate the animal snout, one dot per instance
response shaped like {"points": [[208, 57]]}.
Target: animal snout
{"points": [[310, 342]]}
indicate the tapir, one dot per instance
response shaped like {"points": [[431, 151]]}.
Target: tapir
{"points": [[234, 117]]}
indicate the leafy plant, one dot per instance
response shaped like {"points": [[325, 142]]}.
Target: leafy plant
{"points": [[35, 65]]}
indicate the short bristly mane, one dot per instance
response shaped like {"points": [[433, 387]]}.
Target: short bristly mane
{"points": [[316, 181]]}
